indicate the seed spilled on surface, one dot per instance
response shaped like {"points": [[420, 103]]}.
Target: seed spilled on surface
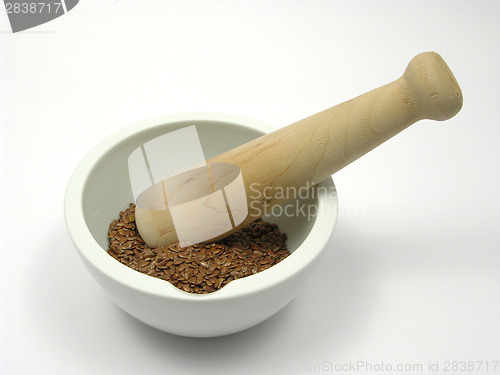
{"points": [[201, 268]]}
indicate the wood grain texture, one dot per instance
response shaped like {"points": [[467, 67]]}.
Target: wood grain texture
{"points": [[312, 149]]}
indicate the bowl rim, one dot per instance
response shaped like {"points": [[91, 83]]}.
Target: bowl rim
{"points": [[89, 249]]}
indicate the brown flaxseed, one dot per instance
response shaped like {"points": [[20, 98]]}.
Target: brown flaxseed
{"points": [[201, 268]]}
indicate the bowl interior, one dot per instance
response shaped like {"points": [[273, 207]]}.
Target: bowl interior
{"points": [[107, 189]]}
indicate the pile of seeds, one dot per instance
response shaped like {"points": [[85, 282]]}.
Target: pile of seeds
{"points": [[201, 268]]}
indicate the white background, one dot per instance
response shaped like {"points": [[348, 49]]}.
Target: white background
{"points": [[412, 273]]}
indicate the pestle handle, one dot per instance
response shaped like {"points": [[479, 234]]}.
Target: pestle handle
{"points": [[312, 149]]}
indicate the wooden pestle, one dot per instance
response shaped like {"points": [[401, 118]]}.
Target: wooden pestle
{"points": [[312, 149]]}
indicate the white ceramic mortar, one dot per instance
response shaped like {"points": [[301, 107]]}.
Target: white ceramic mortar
{"points": [[99, 189]]}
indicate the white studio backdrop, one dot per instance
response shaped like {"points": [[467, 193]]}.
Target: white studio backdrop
{"points": [[411, 275]]}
